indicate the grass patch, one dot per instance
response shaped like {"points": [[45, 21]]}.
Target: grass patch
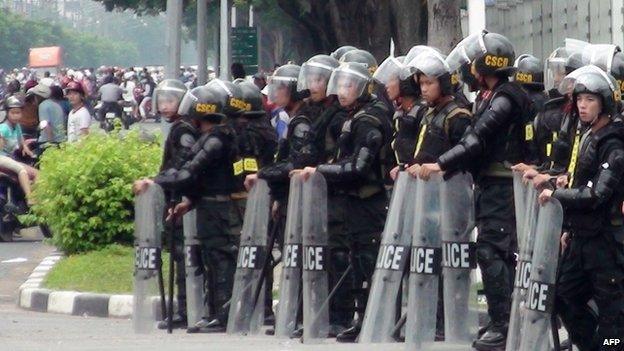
{"points": [[109, 270]]}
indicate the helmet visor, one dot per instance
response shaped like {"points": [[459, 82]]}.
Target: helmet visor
{"points": [[347, 83], [555, 72], [388, 71], [314, 76], [279, 87], [600, 55], [567, 84]]}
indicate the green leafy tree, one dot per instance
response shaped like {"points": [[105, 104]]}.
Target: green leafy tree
{"points": [[19, 35], [83, 192]]}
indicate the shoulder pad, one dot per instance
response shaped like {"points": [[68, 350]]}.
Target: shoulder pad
{"points": [[515, 92], [300, 118], [501, 102], [212, 143], [187, 140], [301, 129]]}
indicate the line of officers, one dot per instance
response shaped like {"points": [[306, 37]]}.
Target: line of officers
{"points": [[358, 123]]}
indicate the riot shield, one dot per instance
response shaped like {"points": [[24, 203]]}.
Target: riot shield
{"points": [[381, 313], [425, 265], [520, 196], [461, 319], [290, 281], [195, 307], [148, 216], [536, 326], [315, 254], [523, 267], [246, 313]]}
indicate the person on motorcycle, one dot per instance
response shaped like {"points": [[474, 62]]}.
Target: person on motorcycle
{"points": [[110, 94], [11, 140], [148, 86], [50, 112], [79, 118]]}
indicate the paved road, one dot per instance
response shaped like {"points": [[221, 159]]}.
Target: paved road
{"points": [[17, 260]]}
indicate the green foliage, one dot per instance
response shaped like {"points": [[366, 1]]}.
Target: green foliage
{"points": [[108, 270], [80, 49], [84, 190]]}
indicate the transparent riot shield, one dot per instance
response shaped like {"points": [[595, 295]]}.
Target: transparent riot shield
{"points": [[246, 313], [290, 281], [148, 216], [425, 265], [461, 319], [523, 266], [536, 326], [381, 314], [195, 307], [520, 196], [315, 254]]}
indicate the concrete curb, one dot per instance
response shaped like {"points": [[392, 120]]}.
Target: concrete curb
{"points": [[35, 298]]}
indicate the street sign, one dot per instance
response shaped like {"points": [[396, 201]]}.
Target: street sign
{"points": [[245, 48]]}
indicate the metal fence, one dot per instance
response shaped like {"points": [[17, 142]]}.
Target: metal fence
{"points": [[539, 26]]}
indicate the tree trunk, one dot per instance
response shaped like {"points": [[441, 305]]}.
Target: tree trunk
{"points": [[409, 25], [444, 26]]}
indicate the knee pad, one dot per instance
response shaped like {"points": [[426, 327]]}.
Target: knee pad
{"points": [[490, 260]]}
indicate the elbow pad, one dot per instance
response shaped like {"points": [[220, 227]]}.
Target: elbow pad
{"points": [[363, 160]]}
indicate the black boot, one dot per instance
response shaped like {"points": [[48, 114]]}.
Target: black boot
{"points": [[269, 320], [336, 329], [178, 322], [494, 339], [350, 334], [298, 333], [206, 326]]}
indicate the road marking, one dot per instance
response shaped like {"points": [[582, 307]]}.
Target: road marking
{"points": [[15, 260]]}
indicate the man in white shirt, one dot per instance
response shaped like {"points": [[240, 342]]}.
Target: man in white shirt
{"points": [[79, 118]]}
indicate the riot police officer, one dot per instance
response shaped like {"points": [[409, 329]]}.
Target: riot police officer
{"points": [[283, 92], [257, 143], [547, 123], [207, 181], [592, 262], [444, 121], [495, 142], [357, 174], [366, 58], [566, 138], [182, 135], [409, 108], [323, 117], [529, 74], [441, 127]]}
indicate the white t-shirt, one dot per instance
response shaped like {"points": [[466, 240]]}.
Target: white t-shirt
{"points": [[77, 120]]}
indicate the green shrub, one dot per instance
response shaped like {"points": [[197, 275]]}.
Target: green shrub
{"points": [[84, 190]]}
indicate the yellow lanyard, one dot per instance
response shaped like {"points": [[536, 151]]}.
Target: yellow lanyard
{"points": [[549, 145], [421, 138], [574, 158]]}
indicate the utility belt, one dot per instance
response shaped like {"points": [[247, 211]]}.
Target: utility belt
{"points": [[498, 170], [239, 195], [216, 198]]}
